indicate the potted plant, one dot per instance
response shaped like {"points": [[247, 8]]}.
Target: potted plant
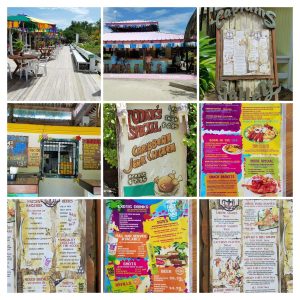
{"points": [[18, 46]]}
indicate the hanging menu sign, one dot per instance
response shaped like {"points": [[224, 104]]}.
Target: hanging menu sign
{"points": [[34, 156], [91, 154], [51, 246], [152, 156], [147, 247], [17, 151], [242, 150], [245, 251]]}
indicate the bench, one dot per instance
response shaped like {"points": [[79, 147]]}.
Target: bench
{"points": [[285, 77], [85, 60]]}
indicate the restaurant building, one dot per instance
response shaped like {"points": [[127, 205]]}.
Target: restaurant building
{"points": [[138, 46], [53, 150]]}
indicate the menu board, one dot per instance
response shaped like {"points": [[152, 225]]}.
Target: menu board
{"points": [[17, 148], [247, 52], [34, 156], [151, 153], [242, 150], [50, 245], [11, 246], [246, 239], [91, 154], [148, 246]]}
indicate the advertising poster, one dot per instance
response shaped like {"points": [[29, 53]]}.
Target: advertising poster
{"points": [[246, 241], [34, 156], [17, 151], [151, 153], [147, 246], [242, 150], [50, 245]]}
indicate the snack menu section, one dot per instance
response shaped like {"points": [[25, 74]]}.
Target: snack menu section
{"points": [[249, 244], [242, 150], [148, 246]]}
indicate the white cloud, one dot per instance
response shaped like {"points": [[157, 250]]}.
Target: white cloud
{"points": [[159, 12]]}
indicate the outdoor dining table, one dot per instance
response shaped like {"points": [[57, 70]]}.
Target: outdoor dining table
{"points": [[18, 59], [45, 52]]}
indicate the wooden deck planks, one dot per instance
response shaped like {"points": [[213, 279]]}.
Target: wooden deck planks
{"points": [[62, 83]]}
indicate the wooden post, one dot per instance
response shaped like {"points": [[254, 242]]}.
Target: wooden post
{"points": [[204, 247]]}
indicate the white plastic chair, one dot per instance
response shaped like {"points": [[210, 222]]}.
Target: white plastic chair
{"points": [[9, 70], [27, 67], [42, 63]]}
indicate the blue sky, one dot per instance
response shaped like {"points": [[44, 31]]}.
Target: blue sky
{"points": [[61, 16], [173, 20]]}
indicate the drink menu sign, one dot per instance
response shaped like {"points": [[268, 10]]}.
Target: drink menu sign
{"points": [[242, 150], [251, 245], [148, 246], [50, 246], [151, 153]]}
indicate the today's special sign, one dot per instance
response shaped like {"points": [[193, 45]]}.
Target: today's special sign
{"points": [[151, 153]]}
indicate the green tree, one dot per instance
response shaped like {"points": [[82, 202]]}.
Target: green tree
{"points": [[207, 50]]}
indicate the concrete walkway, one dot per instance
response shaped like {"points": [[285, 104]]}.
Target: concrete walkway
{"points": [[145, 88]]}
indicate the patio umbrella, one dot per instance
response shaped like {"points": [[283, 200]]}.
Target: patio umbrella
{"points": [[21, 22]]}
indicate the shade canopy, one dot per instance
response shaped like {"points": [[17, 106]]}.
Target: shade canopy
{"points": [[138, 40], [29, 24]]}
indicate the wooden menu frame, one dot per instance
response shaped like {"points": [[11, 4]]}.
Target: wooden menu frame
{"points": [[219, 62]]}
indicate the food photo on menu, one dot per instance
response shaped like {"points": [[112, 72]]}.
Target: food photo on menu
{"points": [[244, 150], [149, 246]]}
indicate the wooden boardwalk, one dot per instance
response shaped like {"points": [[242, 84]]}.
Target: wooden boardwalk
{"points": [[62, 83]]}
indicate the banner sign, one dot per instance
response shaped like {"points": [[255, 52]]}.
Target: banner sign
{"points": [[152, 156], [241, 150], [148, 246]]}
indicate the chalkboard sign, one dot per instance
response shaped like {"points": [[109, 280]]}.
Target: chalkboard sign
{"points": [[17, 151], [91, 154]]}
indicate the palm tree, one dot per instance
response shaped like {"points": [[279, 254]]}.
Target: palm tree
{"points": [[180, 247]]}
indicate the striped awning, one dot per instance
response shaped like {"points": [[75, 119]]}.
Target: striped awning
{"points": [[149, 45]]}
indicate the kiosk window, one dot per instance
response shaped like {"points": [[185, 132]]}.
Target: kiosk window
{"points": [[59, 158]]}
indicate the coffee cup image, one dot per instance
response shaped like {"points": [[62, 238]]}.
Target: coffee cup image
{"points": [[167, 185]]}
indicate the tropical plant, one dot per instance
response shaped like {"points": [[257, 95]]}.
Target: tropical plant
{"points": [[190, 141], [207, 50], [110, 135], [18, 45]]}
